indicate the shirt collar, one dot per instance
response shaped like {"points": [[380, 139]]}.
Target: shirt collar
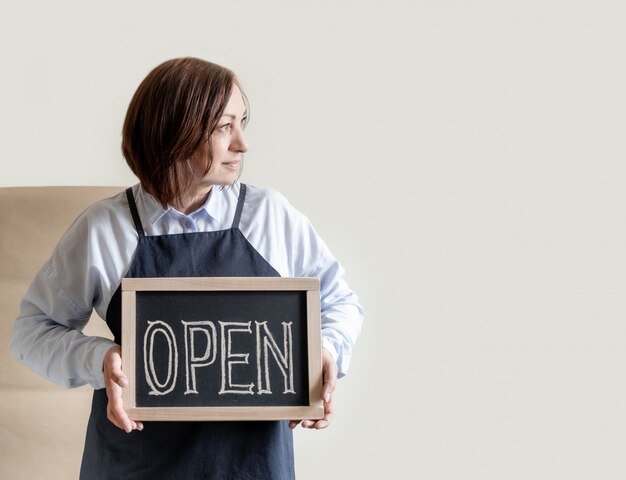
{"points": [[154, 211]]}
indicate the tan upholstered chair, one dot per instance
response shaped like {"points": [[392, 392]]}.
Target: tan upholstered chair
{"points": [[42, 426]]}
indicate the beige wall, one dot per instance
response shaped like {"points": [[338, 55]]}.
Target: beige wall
{"points": [[465, 161]]}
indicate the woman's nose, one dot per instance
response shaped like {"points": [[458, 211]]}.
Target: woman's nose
{"points": [[238, 143]]}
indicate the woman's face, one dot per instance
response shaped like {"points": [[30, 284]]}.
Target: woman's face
{"points": [[228, 145]]}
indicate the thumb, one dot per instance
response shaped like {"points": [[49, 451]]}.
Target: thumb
{"points": [[119, 378], [113, 367]]}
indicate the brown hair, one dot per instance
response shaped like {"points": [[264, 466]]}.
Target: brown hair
{"points": [[175, 108]]}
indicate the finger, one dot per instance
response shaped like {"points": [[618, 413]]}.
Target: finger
{"points": [[326, 421], [327, 396], [307, 423], [113, 418], [321, 424], [119, 378], [115, 380], [329, 387], [330, 377], [115, 407], [123, 422], [119, 414], [137, 425], [113, 367], [329, 414], [115, 374], [116, 383], [329, 407], [294, 423]]}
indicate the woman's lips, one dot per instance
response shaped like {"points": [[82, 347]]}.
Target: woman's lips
{"points": [[233, 164]]}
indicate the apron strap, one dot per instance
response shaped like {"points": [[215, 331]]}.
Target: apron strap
{"points": [[240, 201], [134, 212]]}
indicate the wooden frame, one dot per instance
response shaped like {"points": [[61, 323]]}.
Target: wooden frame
{"points": [[310, 286]]}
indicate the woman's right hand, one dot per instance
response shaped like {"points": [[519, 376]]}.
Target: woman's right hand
{"points": [[115, 381]]}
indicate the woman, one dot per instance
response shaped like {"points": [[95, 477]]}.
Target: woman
{"points": [[188, 217]]}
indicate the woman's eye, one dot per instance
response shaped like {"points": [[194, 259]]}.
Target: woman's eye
{"points": [[226, 127]]}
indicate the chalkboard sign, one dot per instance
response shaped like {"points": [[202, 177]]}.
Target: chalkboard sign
{"points": [[222, 348]]}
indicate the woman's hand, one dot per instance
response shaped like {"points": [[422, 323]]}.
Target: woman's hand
{"points": [[329, 372], [115, 381]]}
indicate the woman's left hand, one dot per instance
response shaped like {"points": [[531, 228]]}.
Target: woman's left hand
{"points": [[329, 373]]}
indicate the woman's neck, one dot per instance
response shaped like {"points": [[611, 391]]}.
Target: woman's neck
{"points": [[191, 200]]}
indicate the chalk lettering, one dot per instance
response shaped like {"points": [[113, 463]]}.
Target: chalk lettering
{"points": [[197, 356], [226, 331], [157, 387], [265, 344], [192, 359]]}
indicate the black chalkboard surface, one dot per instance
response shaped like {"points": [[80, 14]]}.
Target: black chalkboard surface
{"points": [[222, 348]]}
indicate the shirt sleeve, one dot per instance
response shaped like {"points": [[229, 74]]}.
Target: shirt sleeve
{"points": [[303, 253], [47, 335], [341, 312]]}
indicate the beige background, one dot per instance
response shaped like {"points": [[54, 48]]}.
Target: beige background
{"points": [[464, 160]]}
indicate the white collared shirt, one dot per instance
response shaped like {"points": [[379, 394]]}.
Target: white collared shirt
{"points": [[95, 253]]}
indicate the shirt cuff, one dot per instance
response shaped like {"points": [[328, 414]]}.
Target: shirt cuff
{"points": [[98, 362]]}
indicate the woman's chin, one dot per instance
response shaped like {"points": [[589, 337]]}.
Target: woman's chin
{"points": [[222, 181]]}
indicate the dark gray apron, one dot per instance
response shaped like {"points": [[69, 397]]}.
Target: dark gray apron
{"points": [[187, 450]]}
